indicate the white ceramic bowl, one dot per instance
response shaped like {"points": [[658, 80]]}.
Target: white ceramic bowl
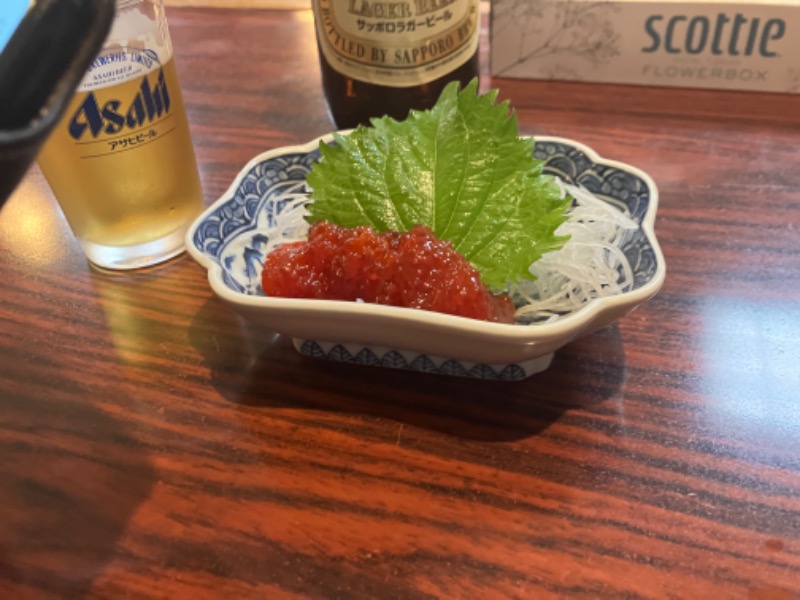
{"points": [[226, 239]]}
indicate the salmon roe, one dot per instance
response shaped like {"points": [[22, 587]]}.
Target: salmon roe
{"points": [[412, 269]]}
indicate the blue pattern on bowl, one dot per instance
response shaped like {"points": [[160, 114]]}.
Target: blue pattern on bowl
{"points": [[617, 186], [411, 361]]}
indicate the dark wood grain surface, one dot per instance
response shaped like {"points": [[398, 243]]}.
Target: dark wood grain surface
{"points": [[154, 446]]}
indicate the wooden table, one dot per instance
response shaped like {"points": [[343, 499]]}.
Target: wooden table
{"points": [[154, 446]]}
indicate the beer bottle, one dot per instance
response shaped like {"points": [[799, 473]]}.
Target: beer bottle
{"points": [[385, 57]]}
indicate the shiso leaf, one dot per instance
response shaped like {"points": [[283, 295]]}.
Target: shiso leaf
{"points": [[461, 169]]}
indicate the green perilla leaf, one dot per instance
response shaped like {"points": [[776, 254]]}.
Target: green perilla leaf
{"points": [[461, 169]]}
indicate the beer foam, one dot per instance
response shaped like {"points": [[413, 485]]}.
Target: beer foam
{"points": [[134, 28]]}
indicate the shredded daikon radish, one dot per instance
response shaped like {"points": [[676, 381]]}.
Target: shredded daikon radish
{"points": [[287, 212], [590, 265]]}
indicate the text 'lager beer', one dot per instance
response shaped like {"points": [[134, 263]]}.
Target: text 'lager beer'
{"points": [[121, 162], [387, 57]]}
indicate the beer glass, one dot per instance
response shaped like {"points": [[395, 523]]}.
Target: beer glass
{"points": [[121, 162]]}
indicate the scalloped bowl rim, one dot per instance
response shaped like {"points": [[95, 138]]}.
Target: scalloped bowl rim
{"points": [[530, 333]]}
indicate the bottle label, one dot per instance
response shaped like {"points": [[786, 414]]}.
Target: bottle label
{"points": [[397, 43]]}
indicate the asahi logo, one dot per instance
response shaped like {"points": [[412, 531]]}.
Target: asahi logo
{"points": [[114, 116], [722, 35]]}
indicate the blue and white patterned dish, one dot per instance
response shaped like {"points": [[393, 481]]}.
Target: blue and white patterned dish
{"points": [[228, 240]]}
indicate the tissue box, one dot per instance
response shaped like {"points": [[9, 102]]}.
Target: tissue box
{"points": [[724, 45]]}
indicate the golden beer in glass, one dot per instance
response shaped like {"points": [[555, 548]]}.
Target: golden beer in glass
{"points": [[121, 163]]}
